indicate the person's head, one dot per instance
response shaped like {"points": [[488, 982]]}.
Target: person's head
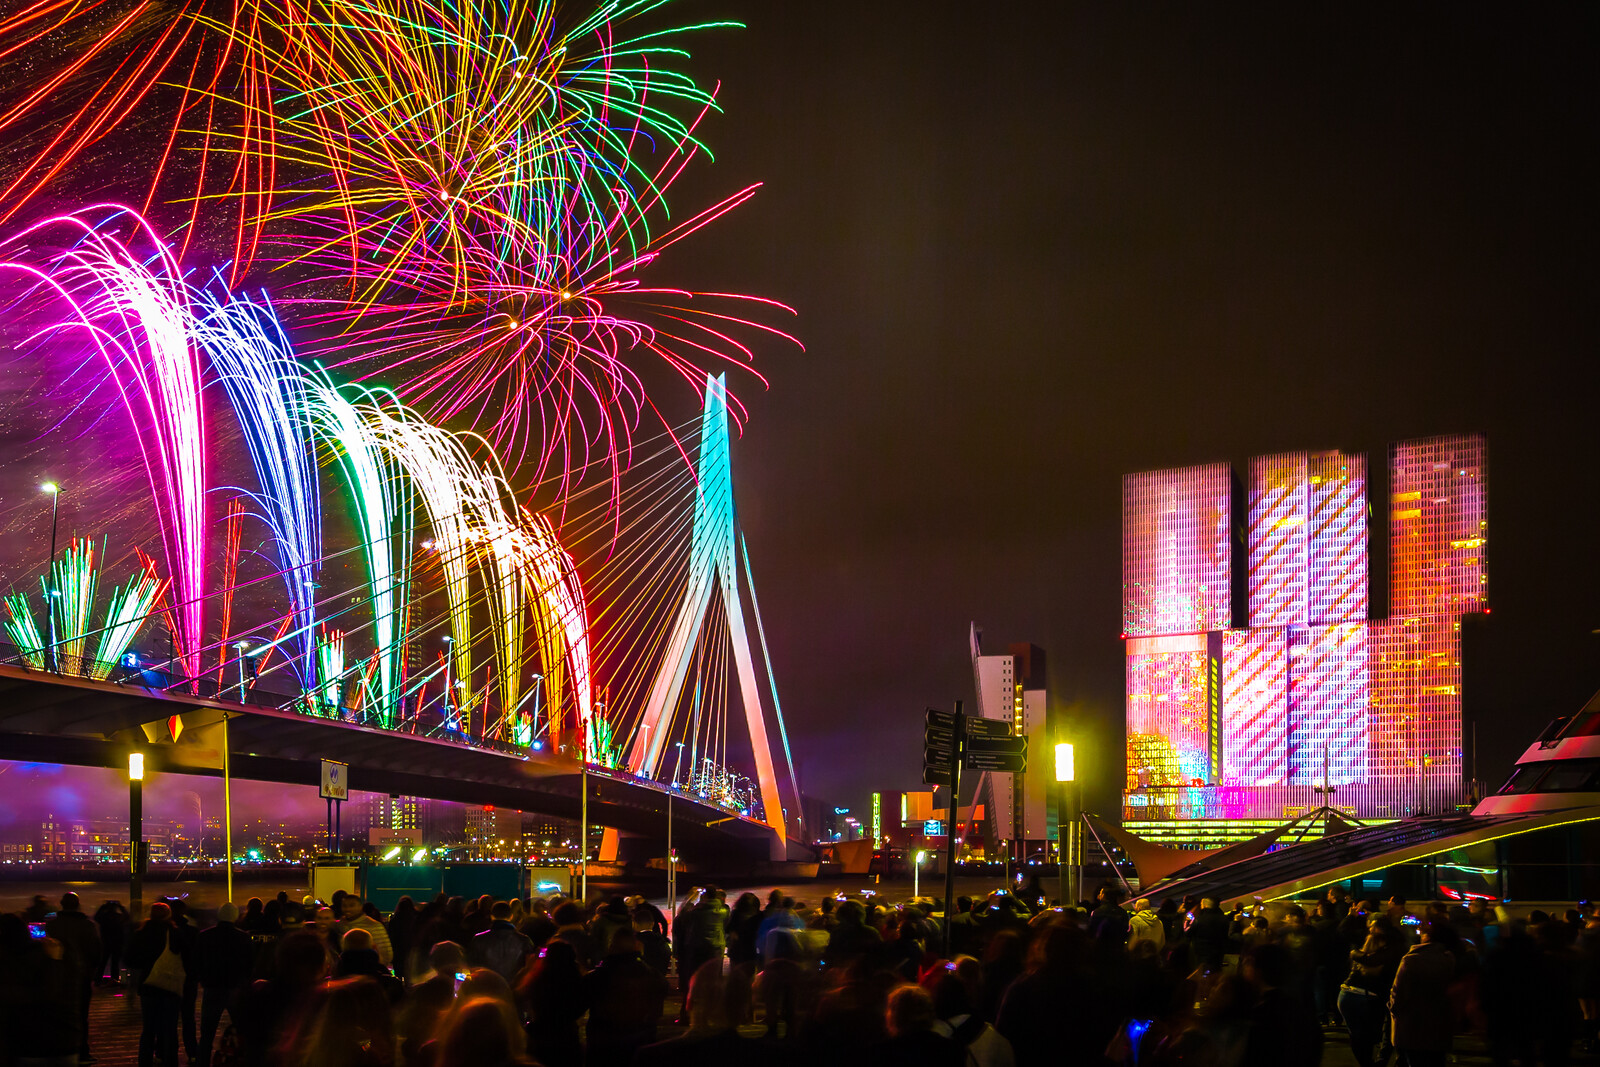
{"points": [[69, 902], [500, 909], [351, 905], [356, 939], [480, 1031], [301, 959], [1326, 910], [747, 903], [252, 907], [228, 913], [179, 908], [624, 943], [568, 913], [1335, 894], [446, 957], [910, 1011], [482, 982], [1296, 915], [1397, 903], [1207, 902], [325, 919], [1109, 894], [775, 898], [1142, 904], [160, 912]]}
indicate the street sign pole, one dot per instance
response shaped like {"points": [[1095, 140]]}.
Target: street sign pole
{"points": [[958, 741]]}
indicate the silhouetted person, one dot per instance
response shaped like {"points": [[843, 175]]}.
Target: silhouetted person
{"points": [[82, 950], [1421, 1015], [156, 959], [112, 919], [624, 997], [551, 995], [224, 958], [502, 947], [912, 1041]]}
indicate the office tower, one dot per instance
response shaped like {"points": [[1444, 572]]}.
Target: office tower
{"points": [[1251, 723]]}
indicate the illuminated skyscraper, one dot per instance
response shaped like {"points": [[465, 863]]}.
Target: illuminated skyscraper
{"points": [[1176, 551], [1438, 526], [1234, 724], [1011, 687]]}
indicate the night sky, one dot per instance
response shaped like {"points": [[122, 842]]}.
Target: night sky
{"points": [[1033, 248]]}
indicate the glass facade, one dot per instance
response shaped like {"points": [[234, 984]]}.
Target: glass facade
{"points": [[1167, 688], [1248, 723], [1438, 526], [1255, 711], [1176, 552]]}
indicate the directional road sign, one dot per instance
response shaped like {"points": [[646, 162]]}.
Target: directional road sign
{"points": [[988, 728], [946, 719], [1004, 754], [1003, 762], [938, 736]]}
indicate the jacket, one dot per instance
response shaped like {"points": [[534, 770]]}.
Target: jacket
{"points": [[1419, 1003], [1146, 926], [502, 948], [224, 957], [80, 942]]}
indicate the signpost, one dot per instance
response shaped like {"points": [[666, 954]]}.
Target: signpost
{"points": [[335, 787], [951, 741]]}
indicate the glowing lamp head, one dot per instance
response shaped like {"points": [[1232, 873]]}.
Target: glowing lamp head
{"points": [[51, 488], [136, 766], [1064, 764], [921, 856], [392, 853], [419, 855]]}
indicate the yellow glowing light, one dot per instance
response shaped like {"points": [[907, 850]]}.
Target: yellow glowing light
{"points": [[50, 487], [136, 766], [1064, 767]]}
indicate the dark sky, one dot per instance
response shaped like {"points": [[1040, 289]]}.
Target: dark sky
{"points": [[1034, 248]]}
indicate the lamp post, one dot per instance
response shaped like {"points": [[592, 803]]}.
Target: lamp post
{"points": [[136, 831], [50, 573], [678, 766], [916, 872], [1067, 825]]}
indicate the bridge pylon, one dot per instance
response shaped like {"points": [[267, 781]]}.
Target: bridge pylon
{"points": [[714, 555]]}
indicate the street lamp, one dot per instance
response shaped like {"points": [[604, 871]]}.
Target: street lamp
{"points": [[678, 766], [916, 872], [136, 830], [50, 574], [1067, 824]]}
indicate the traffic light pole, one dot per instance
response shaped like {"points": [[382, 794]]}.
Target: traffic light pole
{"points": [[956, 747]]}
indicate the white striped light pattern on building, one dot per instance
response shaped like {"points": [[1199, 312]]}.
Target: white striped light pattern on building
{"points": [[1314, 687]]}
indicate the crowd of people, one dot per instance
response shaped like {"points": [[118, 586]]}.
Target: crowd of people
{"points": [[1002, 981]]}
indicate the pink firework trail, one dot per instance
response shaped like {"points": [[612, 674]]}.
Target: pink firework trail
{"points": [[103, 274]]}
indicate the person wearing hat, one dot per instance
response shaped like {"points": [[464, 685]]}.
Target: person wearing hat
{"points": [[223, 958]]}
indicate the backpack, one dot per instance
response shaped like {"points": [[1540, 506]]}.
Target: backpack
{"points": [[167, 972]]}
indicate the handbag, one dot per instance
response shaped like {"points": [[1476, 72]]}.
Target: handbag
{"points": [[167, 972]]}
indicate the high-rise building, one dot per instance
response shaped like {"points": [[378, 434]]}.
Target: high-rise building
{"points": [[1011, 687], [1251, 723]]}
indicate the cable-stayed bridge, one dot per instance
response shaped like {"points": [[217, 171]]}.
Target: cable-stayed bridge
{"points": [[455, 650]]}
